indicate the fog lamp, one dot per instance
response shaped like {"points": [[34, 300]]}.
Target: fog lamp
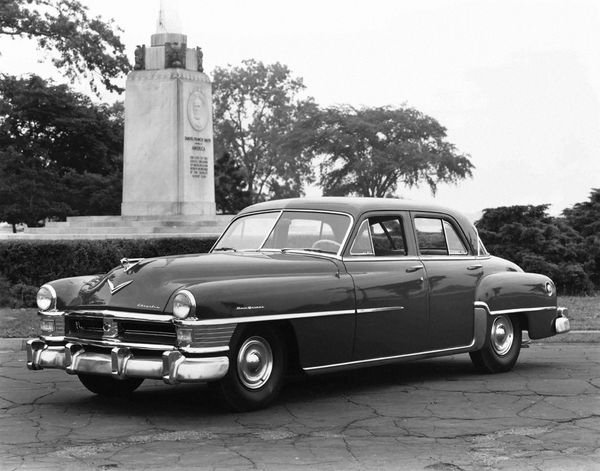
{"points": [[46, 298], [183, 304], [184, 337], [47, 326]]}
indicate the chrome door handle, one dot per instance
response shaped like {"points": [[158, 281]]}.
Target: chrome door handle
{"points": [[475, 267], [414, 268]]}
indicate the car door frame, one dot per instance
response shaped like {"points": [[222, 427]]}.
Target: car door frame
{"points": [[451, 312], [387, 328]]}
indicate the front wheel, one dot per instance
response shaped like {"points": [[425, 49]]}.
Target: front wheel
{"points": [[109, 386], [502, 346], [256, 369]]}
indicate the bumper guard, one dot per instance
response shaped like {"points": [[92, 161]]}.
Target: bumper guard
{"points": [[172, 366]]}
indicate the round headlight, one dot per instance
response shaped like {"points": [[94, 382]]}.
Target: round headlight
{"points": [[46, 298], [183, 304]]}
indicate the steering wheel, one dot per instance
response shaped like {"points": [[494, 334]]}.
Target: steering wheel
{"points": [[327, 245]]}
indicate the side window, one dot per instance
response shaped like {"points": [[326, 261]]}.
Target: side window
{"points": [[455, 245], [438, 237], [380, 236], [430, 236], [362, 244]]}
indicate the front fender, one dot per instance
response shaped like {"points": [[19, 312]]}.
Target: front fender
{"points": [[529, 295]]}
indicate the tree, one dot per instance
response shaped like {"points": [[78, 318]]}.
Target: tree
{"points": [[28, 190], [370, 151], [84, 46], [61, 153], [256, 108], [585, 219], [230, 195], [538, 243]]}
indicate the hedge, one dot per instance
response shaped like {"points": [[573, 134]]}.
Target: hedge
{"points": [[26, 265]]}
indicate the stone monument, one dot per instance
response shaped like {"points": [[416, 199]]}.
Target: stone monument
{"points": [[168, 163]]}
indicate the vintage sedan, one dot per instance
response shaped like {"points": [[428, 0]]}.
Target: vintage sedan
{"points": [[309, 285]]}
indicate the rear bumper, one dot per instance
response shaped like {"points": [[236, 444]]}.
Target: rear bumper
{"points": [[171, 366]]}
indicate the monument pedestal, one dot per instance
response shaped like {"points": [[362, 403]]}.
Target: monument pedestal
{"points": [[168, 164]]}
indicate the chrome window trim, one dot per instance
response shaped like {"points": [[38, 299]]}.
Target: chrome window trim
{"points": [[499, 312]]}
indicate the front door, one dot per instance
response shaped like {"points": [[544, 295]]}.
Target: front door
{"points": [[391, 289]]}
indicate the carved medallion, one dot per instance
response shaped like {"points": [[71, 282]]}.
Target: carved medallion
{"points": [[197, 110]]}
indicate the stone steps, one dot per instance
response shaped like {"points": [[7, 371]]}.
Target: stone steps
{"points": [[125, 227], [157, 235]]}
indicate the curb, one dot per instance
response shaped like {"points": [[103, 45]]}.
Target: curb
{"points": [[575, 336]]}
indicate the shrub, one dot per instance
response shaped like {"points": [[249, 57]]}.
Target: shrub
{"points": [[26, 265]]}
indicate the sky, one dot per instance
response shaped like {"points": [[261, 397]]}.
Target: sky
{"points": [[515, 82]]}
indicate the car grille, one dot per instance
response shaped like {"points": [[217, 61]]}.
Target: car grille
{"points": [[95, 328]]}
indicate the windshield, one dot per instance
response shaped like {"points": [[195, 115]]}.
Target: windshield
{"points": [[281, 230]]}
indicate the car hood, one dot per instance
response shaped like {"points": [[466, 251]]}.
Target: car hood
{"points": [[148, 285]]}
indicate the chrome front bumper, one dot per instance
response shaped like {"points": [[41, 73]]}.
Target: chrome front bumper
{"points": [[172, 366]]}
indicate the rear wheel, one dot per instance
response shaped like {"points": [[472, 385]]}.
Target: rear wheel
{"points": [[109, 386], [502, 345], [256, 369]]}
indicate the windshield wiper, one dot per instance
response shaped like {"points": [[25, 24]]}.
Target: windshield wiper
{"points": [[225, 249]]}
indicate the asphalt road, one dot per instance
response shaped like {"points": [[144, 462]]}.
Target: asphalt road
{"points": [[435, 415]]}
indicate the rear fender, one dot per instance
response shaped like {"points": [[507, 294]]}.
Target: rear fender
{"points": [[530, 296]]}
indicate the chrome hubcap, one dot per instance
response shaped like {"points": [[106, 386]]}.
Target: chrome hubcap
{"points": [[503, 335], [255, 362]]}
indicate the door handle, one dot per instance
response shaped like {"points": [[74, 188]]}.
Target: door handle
{"points": [[475, 267], [414, 268]]}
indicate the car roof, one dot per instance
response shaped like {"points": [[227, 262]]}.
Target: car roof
{"points": [[357, 206], [351, 205]]}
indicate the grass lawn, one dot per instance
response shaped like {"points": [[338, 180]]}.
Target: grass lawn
{"points": [[584, 314]]}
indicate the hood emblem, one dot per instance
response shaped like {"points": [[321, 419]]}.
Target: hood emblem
{"points": [[114, 289]]}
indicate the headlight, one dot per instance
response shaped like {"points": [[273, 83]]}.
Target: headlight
{"points": [[183, 304], [46, 298]]}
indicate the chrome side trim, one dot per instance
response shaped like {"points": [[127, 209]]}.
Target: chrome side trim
{"points": [[278, 317], [379, 309], [120, 315], [394, 357], [375, 258], [499, 312], [268, 317], [224, 348]]}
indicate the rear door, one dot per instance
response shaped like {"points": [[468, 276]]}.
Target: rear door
{"points": [[391, 294], [453, 272]]}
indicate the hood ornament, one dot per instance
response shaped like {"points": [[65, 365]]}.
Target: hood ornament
{"points": [[129, 263], [114, 289]]}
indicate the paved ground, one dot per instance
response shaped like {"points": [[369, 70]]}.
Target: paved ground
{"points": [[435, 415]]}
